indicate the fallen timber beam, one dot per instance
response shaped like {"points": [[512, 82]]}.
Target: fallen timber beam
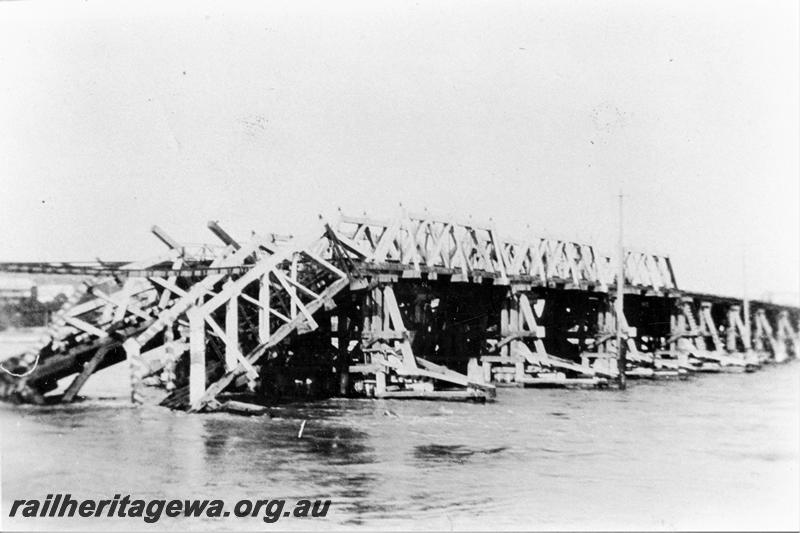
{"points": [[62, 366], [88, 369], [445, 374], [78, 327], [561, 381], [79, 359], [439, 395], [110, 315]]}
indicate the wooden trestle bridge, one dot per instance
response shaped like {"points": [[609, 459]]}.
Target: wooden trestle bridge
{"points": [[408, 307]]}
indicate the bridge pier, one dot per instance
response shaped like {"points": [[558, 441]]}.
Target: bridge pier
{"points": [[405, 348], [764, 339], [695, 336], [541, 337], [738, 339], [646, 326], [787, 336]]}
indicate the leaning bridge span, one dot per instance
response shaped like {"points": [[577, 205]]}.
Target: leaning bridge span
{"points": [[414, 306]]}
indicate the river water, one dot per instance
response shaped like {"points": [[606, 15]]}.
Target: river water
{"points": [[711, 452]]}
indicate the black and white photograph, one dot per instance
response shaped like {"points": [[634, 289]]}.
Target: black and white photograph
{"points": [[400, 265]]}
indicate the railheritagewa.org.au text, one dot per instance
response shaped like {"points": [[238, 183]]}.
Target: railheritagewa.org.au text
{"points": [[153, 510]]}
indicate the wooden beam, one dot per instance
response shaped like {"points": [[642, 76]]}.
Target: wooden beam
{"points": [[232, 350], [264, 308], [231, 331], [197, 357], [164, 237], [85, 326], [297, 303], [88, 369], [217, 230]]}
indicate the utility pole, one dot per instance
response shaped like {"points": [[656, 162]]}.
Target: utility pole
{"points": [[621, 359]]}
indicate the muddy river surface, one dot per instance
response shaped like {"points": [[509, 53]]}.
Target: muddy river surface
{"points": [[714, 451]]}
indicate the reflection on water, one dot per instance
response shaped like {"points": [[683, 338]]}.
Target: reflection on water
{"points": [[714, 451]]}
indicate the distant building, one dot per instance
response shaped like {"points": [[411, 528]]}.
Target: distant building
{"points": [[30, 302], [48, 293], [17, 289]]}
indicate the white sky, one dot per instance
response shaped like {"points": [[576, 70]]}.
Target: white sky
{"points": [[115, 116]]}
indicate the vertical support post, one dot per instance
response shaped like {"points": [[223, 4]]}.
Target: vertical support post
{"points": [[621, 362], [232, 331], [292, 288], [514, 316], [378, 317], [514, 326], [747, 333], [135, 364], [386, 318], [380, 382], [673, 327], [746, 337], [474, 371], [168, 374], [797, 340], [197, 357], [602, 324], [263, 310], [733, 315], [366, 313], [781, 338], [519, 371], [343, 363], [377, 310], [758, 342], [504, 329]]}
